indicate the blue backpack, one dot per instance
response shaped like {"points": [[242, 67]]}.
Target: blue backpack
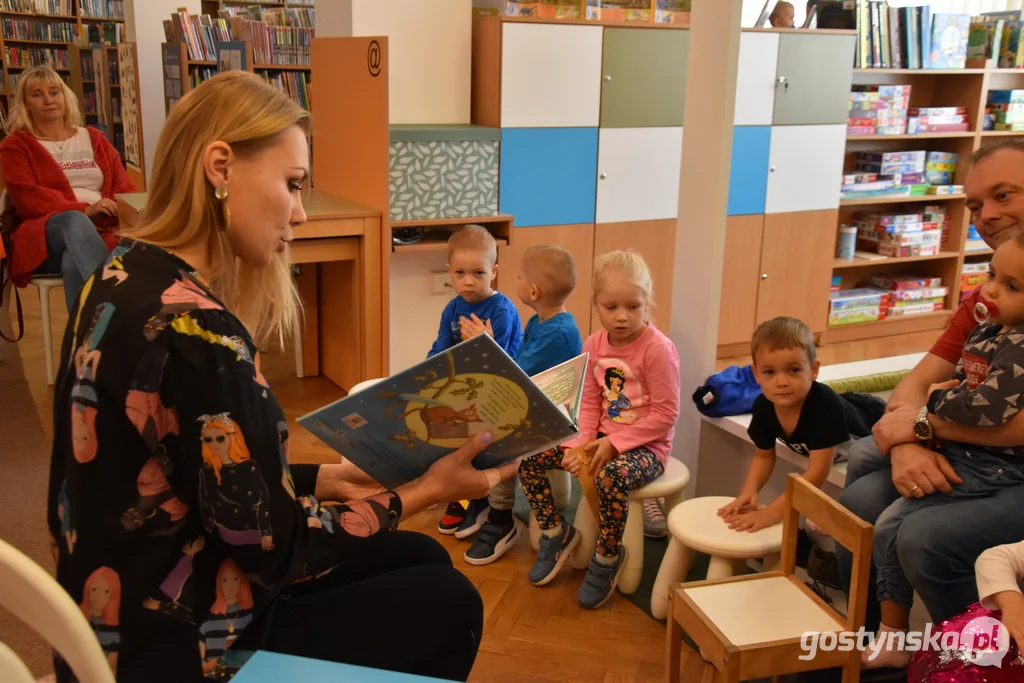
{"points": [[729, 392]]}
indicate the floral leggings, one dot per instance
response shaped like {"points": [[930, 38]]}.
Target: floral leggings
{"points": [[629, 471]]}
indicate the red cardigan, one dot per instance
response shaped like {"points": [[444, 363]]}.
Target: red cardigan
{"points": [[38, 189]]}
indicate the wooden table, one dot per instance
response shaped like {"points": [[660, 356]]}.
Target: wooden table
{"points": [[339, 257]]}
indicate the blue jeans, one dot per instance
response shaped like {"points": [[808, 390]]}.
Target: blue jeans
{"points": [[76, 251], [938, 544]]}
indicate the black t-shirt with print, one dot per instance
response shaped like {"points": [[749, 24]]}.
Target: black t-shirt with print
{"points": [[822, 423]]}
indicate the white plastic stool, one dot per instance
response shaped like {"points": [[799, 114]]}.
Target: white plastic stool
{"points": [[669, 486], [44, 283], [696, 526], [365, 385]]}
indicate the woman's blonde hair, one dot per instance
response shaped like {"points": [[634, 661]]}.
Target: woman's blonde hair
{"points": [[20, 117], [247, 113], [629, 264]]}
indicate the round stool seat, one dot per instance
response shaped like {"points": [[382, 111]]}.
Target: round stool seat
{"points": [[696, 523], [364, 385], [674, 480]]}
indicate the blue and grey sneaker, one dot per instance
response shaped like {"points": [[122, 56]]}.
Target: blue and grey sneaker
{"points": [[600, 581], [493, 540], [552, 554]]}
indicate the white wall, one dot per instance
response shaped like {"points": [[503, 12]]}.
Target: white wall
{"points": [[429, 51], [415, 309], [144, 22]]}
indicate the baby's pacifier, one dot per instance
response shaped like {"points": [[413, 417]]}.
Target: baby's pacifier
{"points": [[984, 311]]}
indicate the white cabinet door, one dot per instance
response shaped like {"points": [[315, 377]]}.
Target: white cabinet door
{"points": [[755, 79], [805, 166], [550, 76], [638, 174]]}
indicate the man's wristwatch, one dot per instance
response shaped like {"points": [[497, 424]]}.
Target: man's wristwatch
{"points": [[922, 427]]}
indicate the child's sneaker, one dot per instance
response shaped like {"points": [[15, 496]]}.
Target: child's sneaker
{"points": [[600, 581], [495, 538], [552, 554], [452, 519], [654, 518], [476, 515]]}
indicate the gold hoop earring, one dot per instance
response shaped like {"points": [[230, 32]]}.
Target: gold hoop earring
{"points": [[221, 192]]}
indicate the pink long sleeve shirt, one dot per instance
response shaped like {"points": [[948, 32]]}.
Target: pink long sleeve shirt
{"points": [[631, 393]]}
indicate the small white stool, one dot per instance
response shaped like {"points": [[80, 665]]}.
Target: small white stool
{"points": [[366, 384], [669, 486], [44, 283], [696, 526]]}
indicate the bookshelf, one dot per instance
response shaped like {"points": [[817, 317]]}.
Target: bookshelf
{"points": [[28, 38], [968, 88]]}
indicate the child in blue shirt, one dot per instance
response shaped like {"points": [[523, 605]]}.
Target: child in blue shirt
{"points": [[472, 266], [547, 276]]}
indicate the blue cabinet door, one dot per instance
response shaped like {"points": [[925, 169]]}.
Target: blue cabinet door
{"points": [[748, 172], [548, 175]]}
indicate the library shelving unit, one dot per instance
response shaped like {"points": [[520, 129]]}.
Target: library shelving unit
{"points": [[29, 37], [211, 7], [967, 88]]}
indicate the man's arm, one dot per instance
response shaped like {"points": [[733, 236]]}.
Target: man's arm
{"points": [[1007, 435], [913, 389]]}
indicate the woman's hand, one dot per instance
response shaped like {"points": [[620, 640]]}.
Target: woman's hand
{"points": [[104, 206], [344, 482], [744, 500], [601, 452]]}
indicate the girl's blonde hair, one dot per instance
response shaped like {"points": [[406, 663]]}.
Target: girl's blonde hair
{"points": [[247, 113], [20, 118], [627, 263]]}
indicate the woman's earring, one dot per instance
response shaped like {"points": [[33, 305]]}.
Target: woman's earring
{"points": [[221, 192]]}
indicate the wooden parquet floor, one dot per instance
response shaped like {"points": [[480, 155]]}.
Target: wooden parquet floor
{"points": [[531, 635]]}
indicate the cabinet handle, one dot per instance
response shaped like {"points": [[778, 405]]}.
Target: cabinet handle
{"points": [[764, 276], [607, 79], [771, 169], [784, 82], [603, 176]]}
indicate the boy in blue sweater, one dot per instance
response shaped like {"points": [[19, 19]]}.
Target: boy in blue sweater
{"points": [[472, 266], [547, 276]]}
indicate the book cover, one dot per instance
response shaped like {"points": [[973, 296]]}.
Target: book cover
{"points": [[949, 41], [395, 429]]}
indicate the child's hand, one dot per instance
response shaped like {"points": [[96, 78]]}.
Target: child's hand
{"points": [[753, 520], [473, 326], [744, 500], [571, 461], [943, 386], [1012, 605], [601, 453]]}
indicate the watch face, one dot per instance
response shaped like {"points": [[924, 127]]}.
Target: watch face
{"points": [[922, 430]]}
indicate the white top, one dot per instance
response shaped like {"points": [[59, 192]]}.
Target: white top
{"points": [[75, 157], [999, 569]]}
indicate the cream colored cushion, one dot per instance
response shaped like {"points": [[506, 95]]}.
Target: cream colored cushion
{"points": [[696, 523], [761, 610]]}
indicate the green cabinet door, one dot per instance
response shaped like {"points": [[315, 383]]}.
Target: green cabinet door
{"points": [[813, 79], [643, 77]]}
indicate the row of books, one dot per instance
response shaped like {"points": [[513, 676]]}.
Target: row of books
{"points": [[642, 11], [102, 9], [294, 84], [14, 76], [199, 33], [284, 45], [30, 29], [902, 234], [902, 37], [1004, 110], [65, 7], [883, 295], [286, 42], [886, 110], [36, 56]]}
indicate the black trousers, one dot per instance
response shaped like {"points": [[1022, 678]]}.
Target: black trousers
{"points": [[397, 603]]}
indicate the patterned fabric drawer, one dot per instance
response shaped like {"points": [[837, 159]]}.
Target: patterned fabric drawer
{"points": [[443, 179]]}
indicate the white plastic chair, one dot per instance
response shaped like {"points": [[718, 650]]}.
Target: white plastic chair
{"points": [[43, 283], [12, 669], [35, 598]]}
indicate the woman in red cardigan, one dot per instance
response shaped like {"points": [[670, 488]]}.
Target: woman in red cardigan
{"points": [[61, 177]]}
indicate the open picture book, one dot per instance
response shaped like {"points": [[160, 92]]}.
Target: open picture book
{"points": [[395, 429]]}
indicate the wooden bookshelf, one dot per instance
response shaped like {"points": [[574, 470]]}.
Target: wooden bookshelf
{"points": [[72, 73], [967, 88]]}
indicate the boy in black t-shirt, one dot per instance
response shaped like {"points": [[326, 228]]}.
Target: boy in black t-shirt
{"points": [[793, 408]]}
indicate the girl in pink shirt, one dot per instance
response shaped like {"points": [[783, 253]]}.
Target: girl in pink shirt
{"points": [[627, 419]]}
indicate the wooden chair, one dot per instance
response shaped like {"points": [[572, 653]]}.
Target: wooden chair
{"points": [[751, 626], [33, 596]]}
